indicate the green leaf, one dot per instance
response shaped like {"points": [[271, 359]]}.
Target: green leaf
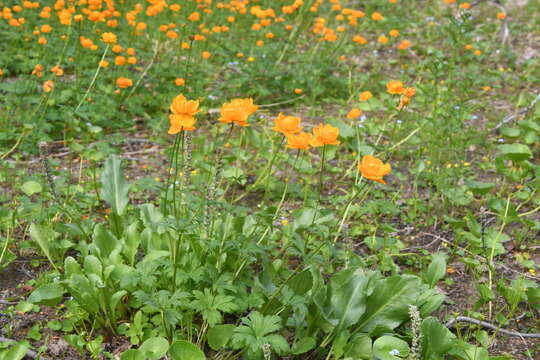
{"points": [[359, 347], [390, 348], [43, 237], [301, 283], [516, 152], [132, 354], [436, 270], [184, 350], [219, 335], [154, 348], [303, 345], [104, 241], [388, 304], [49, 294], [436, 339], [345, 300], [114, 187], [479, 188], [31, 187], [17, 352], [132, 240]]}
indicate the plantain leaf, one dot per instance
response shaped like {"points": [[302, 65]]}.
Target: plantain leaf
{"points": [[184, 350], [114, 187], [389, 302]]}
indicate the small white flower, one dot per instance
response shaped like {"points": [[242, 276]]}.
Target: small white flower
{"points": [[394, 352]]}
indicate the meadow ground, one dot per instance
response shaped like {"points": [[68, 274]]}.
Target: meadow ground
{"points": [[272, 179]]}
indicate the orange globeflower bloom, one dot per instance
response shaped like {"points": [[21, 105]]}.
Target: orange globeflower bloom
{"points": [[181, 106], [237, 111], [404, 44], [374, 169], [395, 87], [465, 5], [409, 92], [123, 82], [394, 33], [376, 16], [365, 95], [325, 134], [1, 72], [298, 91], [108, 38], [206, 54], [354, 113], [48, 86], [179, 81], [181, 123], [287, 125], [501, 16], [299, 141]]}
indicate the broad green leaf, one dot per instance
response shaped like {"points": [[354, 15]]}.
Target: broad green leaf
{"points": [[114, 187], [388, 304], [132, 240], [303, 345], [154, 348], [516, 152], [49, 294], [479, 188], [43, 237], [464, 351], [184, 350], [359, 347], [104, 241], [436, 339], [301, 283], [390, 348], [436, 270], [31, 187], [219, 336], [16, 352], [132, 354], [345, 301]]}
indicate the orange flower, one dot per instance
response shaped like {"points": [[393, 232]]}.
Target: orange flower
{"points": [[287, 125], [374, 169], [376, 16], [395, 87], [206, 54], [404, 45], [179, 81], [237, 111], [1, 72], [325, 134], [298, 91], [501, 16], [181, 123], [465, 5], [108, 38], [365, 95], [394, 33], [181, 106], [299, 141], [409, 92], [48, 86], [123, 82], [354, 113]]}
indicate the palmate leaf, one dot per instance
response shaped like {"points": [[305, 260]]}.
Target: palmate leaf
{"points": [[114, 187], [211, 306], [257, 331]]}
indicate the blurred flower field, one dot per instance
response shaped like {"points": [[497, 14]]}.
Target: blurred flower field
{"points": [[269, 179]]}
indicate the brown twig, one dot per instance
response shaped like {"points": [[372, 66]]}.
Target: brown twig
{"points": [[491, 326]]}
